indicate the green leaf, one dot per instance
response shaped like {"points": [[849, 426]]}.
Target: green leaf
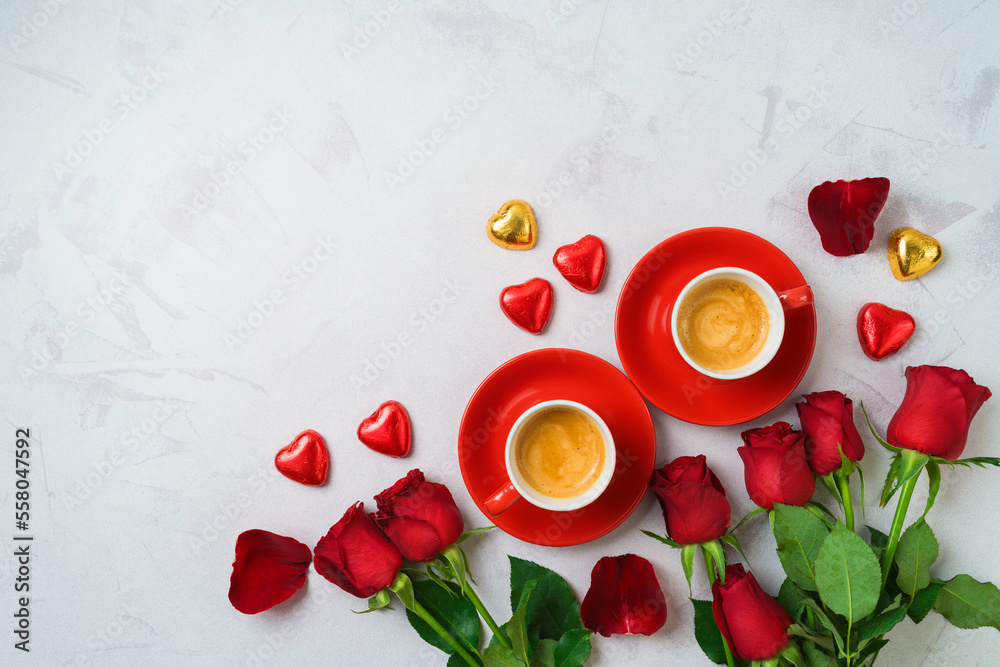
{"points": [[522, 640], [798, 534], [878, 538], [881, 624], [816, 656], [552, 608], [573, 649], [662, 538], [457, 615], [823, 641], [455, 660], [923, 601], [687, 562], [498, 655], [826, 622], [751, 514], [967, 603], [545, 654], [873, 646], [790, 597], [707, 632], [470, 533], [848, 575], [917, 551]]}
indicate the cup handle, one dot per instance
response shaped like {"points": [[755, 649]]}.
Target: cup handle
{"points": [[795, 297], [502, 500]]}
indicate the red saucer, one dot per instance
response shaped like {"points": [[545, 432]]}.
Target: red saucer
{"points": [[539, 376], [646, 347]]}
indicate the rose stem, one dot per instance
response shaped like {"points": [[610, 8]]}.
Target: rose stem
{"points": [[897, 525], [481, 608], [845, 493], [710, 568], [445, 635]]}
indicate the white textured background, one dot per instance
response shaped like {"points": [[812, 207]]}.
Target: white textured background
{"points": [[166, 166]]}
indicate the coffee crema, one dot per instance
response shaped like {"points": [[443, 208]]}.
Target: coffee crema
{"points": [[559, 452], [722, 324]]}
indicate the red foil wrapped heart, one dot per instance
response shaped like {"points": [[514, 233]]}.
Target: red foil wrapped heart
{"points": [[883, 330], [582, 263], [387, 430], [306, 460], [528, 305]]}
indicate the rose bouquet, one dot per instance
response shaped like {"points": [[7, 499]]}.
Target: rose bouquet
{"points": [[843, 593]]}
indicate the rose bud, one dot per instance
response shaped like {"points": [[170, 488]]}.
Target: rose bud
{"points": [[694, 503], [421, 518], [356, 556], [827, 419], [936, 411], [753, 623], [624, 598], [268, 569], [844, 213], [775, 467]]}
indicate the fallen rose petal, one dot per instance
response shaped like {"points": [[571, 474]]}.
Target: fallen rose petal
{"points": [[844, 213], [268, 569], [624, 598]]}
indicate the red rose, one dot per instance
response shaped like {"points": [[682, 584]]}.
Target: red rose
{"points": [[828, 421], [356, 556], [420, 517], [754, 624], [694, 503], [936, 411], [844, 213], [268, 569], [775, 467], [624, 598]]}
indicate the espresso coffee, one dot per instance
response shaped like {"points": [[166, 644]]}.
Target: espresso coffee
{"points": [[722, 324], [559, 452]]}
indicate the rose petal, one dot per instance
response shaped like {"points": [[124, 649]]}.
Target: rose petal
{"points": [[268, 569], [624, 598], [844, 213], [356, 556]]}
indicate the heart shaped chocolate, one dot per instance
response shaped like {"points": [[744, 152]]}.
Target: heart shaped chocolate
{"points": [[387, 430], [528, 305], [582, 263], [912, 253], [306, 460], [883, 330], [513, 227]]}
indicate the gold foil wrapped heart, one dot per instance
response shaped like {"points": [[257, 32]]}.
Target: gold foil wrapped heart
{"points": [[513, 227], [912, 253]]}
